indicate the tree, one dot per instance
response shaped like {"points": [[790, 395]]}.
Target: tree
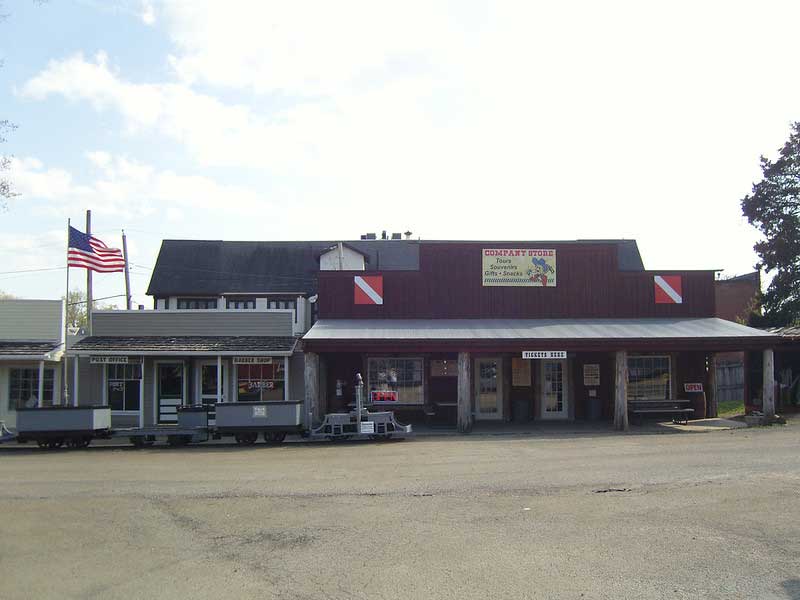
{"points": [[773, 208], [6, 296], [76, 308]]}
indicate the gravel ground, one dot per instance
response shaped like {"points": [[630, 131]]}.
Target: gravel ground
{"points": [[713, 515]]}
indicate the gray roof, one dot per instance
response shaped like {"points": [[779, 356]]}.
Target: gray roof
{"points": [[217, 267], [528, 329], [792, 331], [20, 350], [244, 345]]}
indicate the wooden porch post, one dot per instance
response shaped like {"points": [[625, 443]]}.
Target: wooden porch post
{"points": [[75, 369], [464, 392], [712, 404], [41, 383], [621, 392], [311, 400], [768, 394], [219, 379]]}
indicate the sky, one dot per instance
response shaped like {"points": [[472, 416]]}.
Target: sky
{"points": [[244, 120]]}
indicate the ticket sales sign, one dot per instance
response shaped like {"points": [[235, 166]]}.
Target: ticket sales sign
{"points": [[519, 267], [544, 354]]}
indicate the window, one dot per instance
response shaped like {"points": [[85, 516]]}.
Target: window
{"points": [[197, 303], [282, 303], [258, 383], [124, 385], [649, 378], [23, 387], [240, 303], [402, 375]]}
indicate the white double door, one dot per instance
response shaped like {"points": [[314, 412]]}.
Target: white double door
{"points": [[554, 389], [488, 389]]}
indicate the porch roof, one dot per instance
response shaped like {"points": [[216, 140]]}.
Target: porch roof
{"points": [[29, 350], [568, 333], [186, 345]]}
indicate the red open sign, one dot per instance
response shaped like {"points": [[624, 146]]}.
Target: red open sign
{"points": [[383, 396]]}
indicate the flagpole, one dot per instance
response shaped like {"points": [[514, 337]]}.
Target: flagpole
{"points": [[127, 271], [89, 303], [65, 400]]}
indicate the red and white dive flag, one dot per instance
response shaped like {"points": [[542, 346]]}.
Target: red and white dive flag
{"points": [[668, 289], [368, 289], [90, 253]]}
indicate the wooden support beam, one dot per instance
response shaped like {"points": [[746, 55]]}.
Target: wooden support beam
{"points": [[768, 393], [311, 401], [712, 401], [621, 392], [464, 392], [41, 384]]}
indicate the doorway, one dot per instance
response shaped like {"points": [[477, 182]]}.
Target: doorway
{"points": [[488, 389], [169, 391], [554, 389], [207, 387]]}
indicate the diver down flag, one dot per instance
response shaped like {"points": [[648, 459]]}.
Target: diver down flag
{"points": [[668, 289], [368, 289]]}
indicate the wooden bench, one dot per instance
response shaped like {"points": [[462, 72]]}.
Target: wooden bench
{"points": [[679, 409]]}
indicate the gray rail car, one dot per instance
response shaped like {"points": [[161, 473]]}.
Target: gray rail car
{"points": [[53, 426]]}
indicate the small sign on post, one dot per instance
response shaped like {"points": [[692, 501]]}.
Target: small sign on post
{"points": [[692, 387], [544, 354]]}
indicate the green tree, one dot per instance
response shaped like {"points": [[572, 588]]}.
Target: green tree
{"points": [[76, 308], [773, 208], [6, 296]]}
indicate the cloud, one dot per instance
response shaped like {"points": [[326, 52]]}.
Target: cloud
{"points": [[148, 13], [128, 189]]}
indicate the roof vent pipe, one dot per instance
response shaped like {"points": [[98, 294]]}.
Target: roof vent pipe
{"points": [[408, 235], [383, 235]]}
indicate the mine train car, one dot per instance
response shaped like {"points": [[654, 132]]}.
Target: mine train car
{"points": [[76, 427]]}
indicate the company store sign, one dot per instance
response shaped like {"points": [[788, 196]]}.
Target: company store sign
{"points": [[519, 267]]}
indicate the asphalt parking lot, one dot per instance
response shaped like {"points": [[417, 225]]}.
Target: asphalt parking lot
{"points": [[713, 515]]}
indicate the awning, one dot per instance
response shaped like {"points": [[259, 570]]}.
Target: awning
{"points": [[567, 334], [185, 346], [22, 350]]}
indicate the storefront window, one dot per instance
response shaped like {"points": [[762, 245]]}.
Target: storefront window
{"points": [[649, 378], [23, 388], [124, 385], [260, 382], [402, 376]]}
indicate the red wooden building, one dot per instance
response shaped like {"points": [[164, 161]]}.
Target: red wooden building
{"points": [[518, 331]]}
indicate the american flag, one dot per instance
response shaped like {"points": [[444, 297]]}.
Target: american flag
{"points": [[90, 253]]}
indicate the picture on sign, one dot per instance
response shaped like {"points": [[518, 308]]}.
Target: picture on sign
{"points": [[383, 396], [591, 375], [368, 289], [692, 387], [520, 372], [544, 354], [519, 267], [260, 412], [667, 289]]}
